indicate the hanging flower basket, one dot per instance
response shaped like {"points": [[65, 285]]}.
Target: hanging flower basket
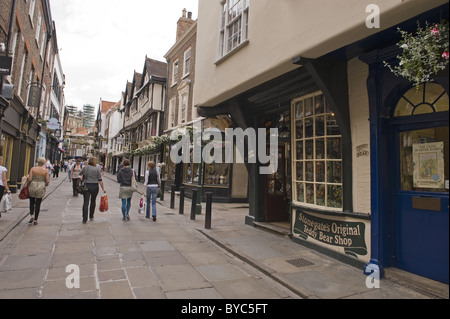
{"points": [[425, 53]]}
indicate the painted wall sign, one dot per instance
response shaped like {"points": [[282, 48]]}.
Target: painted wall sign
{"points": [[428, 161], [362, 150], [349, 235]]}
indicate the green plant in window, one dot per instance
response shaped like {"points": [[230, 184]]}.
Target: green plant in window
{"points": [[425, 53]]}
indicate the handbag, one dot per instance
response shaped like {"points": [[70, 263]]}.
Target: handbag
{"points": [[104, 203], [134, 186], [82, 188], [24, 193]]}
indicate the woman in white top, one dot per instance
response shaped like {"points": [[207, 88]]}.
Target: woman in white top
{"points": [[3, 182]]}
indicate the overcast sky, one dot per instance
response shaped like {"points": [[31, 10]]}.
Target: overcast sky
{"points": [[102, 42]]}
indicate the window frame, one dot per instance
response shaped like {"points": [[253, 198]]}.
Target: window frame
{"points": [[187, 62], [226, 23], [175, 74], [305, 160]]}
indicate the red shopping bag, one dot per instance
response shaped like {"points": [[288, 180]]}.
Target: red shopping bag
{"points": [[104, 203]]}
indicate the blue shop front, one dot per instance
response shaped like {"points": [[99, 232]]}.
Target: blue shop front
{"points": [[409, 154]]}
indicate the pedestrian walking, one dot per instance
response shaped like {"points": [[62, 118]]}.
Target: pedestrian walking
{"points": [[56, 168], [69, 168], [124, 177], [3, 182], [151, 187], [48, 166], [75, 176], [38, 180], [92, 178]]}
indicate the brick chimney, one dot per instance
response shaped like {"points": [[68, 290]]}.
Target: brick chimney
{"points": [[183, 24]]}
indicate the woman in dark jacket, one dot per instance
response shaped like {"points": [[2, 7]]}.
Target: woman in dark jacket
{"points": [[124, 177], [92, 178], [151, 188]]}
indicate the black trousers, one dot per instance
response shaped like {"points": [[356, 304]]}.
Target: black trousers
{"points": [[89, 198], [35, 207]]}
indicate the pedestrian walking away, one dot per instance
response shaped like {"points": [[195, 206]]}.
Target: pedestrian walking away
{"points": [[92, 178], [151, 188], [38, 180], [3, 182], [75, 176], [125, 177]]}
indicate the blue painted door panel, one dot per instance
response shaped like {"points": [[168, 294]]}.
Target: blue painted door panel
{"points": [[423, 237]]}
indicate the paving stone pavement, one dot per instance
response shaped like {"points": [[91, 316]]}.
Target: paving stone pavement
{"points": [[172, 258]]}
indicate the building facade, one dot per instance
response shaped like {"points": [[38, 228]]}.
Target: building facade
{"points": [[32, 89], [143, 113], [319, 79], [182, 116]]}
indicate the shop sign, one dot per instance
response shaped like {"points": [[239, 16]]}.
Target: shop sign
{"points": [[349, 235], [53, 124]]}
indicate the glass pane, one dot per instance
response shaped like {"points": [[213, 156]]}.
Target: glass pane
{"points": [[299, 171], [334, 196], [332, 126], [320, 194], [320, 126], [299, 129], [309, 106], [300, 192], [334, 148], [334, 172], [424, 157], [320, 148], [309, 171], [299, 110], [320, 172], [404, 108], [309, 129], [441, 105], [309, 149], [309, 193], [299, 149], [423, 109], [320, 104], [433, 91]]}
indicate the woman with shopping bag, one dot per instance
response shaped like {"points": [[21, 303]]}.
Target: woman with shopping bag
{"points": [[92, 178], [125, 177], [3, 183], [151, 187], [38, 180]]}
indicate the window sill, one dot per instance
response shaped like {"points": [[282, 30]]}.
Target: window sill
{"points": [[232, 52]]}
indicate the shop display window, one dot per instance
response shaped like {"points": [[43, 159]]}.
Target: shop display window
{"points": [[317, 152]]}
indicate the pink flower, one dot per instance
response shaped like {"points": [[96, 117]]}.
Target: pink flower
{"points": [[434, 31], [445, 55]]}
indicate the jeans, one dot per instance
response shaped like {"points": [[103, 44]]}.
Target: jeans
{"points": [[126, 205], [152, 193], [90, 195]]}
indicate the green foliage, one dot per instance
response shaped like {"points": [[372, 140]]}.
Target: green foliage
{"points": [[425, 53]]}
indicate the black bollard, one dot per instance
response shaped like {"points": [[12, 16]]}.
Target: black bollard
{"points": [[172, 196], [162, 190], [194, 203], [208, 210], [181, 208]]}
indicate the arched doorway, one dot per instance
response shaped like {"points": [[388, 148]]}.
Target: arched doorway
{"points": [[419, 193]]}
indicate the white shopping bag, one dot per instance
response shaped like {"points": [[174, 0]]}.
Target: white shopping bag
{"points": [[6, 203]]}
